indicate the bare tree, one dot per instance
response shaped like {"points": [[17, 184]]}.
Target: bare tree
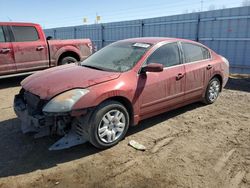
{"points": [[246, 3]]}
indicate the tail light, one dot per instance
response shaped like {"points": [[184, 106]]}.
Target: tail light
{"points": [[225, 60], [95, 48], [225, 68], [92, 47]]}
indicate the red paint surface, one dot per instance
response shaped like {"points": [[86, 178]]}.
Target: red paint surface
{"points": [[25, 56], [149, 94]]}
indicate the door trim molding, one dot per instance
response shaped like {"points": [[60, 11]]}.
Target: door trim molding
{"points": [[162, 100]]}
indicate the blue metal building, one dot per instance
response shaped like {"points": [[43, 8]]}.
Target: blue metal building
{"points": [[226, 31]]}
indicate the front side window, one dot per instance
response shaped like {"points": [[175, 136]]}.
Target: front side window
{"points": [[194, 52], [24, 33], [2, 38], [117, 57], [167, 55]]}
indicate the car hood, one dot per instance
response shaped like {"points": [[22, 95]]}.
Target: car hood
{"points": [[48, 83]]}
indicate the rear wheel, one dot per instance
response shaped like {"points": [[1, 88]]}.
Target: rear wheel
{"points": [[109, 124], [213, 90], [67, 60]]}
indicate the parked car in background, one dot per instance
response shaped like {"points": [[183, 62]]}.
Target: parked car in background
{"points": [[24, 49], [118, 86]]}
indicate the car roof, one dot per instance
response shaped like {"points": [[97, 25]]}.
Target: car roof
{"points": [[19, 23], [155, 40]]}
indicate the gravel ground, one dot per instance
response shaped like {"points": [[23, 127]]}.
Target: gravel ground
{"points": [[194, 146]]}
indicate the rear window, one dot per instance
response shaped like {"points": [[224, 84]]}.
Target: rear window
{"points": [[194, 52], [2, 38], [25, 33]]}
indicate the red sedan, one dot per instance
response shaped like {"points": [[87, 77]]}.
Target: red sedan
{"points": [[130, 80]]}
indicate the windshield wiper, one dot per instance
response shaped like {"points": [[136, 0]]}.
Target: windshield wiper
{"points": [[94, 67]]}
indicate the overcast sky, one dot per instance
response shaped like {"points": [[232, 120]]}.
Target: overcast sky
{"points": [[60, 13]]}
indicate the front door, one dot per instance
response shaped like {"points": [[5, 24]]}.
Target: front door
{"points": [[7, 61], [163, 89], [30, 49]]}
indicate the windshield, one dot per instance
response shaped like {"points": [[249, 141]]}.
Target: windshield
{"points": [[117, 57]]}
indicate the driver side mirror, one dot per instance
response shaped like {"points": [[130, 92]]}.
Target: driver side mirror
{"points": [[49, 38], [152, 67]]}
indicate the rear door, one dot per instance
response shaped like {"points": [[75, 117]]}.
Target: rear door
{"points": [[30, 49], [197, 64], [163, 89], [7, 61]]}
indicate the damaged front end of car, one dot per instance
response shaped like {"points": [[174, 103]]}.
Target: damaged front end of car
{"points": [[53, 117]]}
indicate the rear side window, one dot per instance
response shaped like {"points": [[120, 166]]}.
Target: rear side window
{"points": [[205, 53], [25, 33], [167, 55], [2, 38], [194, 52]]}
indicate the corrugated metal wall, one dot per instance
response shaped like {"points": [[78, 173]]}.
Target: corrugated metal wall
{"points": [[226, 31]]}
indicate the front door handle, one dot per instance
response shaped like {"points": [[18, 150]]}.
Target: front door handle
{"points": [[39, 48], [179, 76], [209, 67], [4, 50]]}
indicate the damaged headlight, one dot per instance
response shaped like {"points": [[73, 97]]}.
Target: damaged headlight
{"points": [[65, 101]]}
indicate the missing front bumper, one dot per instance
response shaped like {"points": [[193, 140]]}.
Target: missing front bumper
{"points": [[30, 123], [44, 125]]}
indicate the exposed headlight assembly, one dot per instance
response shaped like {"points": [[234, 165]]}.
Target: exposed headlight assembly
{"points": [[65, 101]]}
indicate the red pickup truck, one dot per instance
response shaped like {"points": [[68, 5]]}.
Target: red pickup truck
{"points": [[25, 49]]}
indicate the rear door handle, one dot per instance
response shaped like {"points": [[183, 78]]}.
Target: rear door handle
{"points": [[4, 50], [39, 48], [179, 76], [209, 67]]}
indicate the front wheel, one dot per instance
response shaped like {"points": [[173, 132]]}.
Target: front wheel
{"points": [[109, 124], [67, 60], [213, 90]]}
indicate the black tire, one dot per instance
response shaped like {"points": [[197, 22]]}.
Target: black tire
{"points": [[67, 60], [97, 119], [210, 98]]}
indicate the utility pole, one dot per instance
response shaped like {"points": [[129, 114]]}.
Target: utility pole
{"points": [[202, 5]]}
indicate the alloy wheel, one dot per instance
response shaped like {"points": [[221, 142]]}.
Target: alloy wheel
{"points": [[111, 126], [214, 90]]}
